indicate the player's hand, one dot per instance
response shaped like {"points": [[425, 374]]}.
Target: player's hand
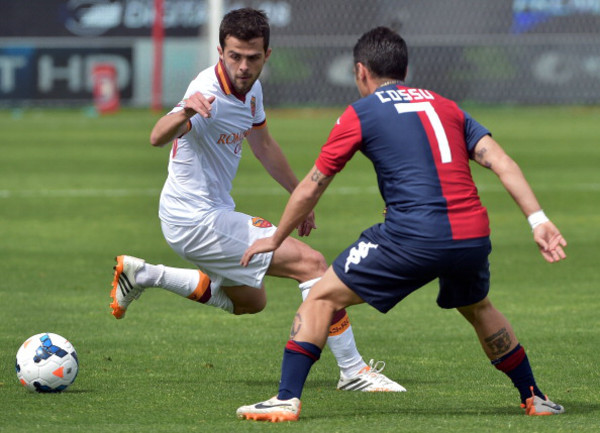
{"points": [[198, 103], [264, 245], [550, 242], [307, 225]]}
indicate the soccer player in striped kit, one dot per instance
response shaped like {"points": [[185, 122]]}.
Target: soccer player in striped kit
{"points": [[435, 227], [223, 106]]}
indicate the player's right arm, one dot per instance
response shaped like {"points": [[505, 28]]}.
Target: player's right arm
{"points": [[344, 140], [176, 124], [489, 154], [301, 203]]}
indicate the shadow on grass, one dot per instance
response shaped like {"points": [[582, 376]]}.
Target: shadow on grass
{"points": [[572, 407]]}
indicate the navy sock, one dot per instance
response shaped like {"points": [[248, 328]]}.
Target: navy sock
{"points": [[298, 358], [515, 365]]}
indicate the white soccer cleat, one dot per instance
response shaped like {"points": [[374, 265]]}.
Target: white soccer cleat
{"points": [[370, 379], [124, 288], [535, 406], [273, 410]]}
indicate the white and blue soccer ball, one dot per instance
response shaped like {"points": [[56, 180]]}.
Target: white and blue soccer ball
{"points": [[47, 363]]}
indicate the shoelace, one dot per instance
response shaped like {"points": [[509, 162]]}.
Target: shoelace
{"points": [[375, 368]]}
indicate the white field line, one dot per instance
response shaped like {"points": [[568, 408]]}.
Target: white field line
{"points": [[267, 191]]}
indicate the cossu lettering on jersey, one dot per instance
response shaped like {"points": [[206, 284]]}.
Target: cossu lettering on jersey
{"points": [[403, 95], [356, 254]]}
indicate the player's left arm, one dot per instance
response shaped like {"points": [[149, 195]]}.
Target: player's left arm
{"points": [[489, 154], [270, 155], [301, 203]]}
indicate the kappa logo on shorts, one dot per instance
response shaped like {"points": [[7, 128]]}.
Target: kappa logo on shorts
{"points": [[261, 222], [358, 253]]}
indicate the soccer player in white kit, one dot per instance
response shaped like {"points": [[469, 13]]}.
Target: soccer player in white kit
{"points": [[223, 106]]}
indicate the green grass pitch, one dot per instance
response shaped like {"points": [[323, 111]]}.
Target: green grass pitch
{"points": [[77, 190]]}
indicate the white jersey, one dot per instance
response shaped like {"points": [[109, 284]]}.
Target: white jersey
{"points": [[204, 161]]}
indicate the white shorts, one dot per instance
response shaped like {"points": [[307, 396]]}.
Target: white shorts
{"points": [[216, 246]]}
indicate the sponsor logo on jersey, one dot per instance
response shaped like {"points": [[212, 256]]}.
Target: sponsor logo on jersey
{"points": [[261, 222], [234, 139], [358, 253]]}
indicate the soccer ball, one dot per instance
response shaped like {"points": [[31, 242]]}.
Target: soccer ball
{"points": [[47, 363]]}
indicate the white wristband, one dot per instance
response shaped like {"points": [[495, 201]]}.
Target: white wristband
{"points": [[537, 218]]}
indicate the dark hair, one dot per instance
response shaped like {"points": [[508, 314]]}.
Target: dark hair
{"points": [[245, 24], [383, 52]]}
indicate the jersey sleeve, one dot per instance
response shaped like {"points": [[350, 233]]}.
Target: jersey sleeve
{"points": [[192, 88], [259, 117], [197, 121], [344, 140], [474, 131]]}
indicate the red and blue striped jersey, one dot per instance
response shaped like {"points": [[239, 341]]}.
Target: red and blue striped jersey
{"points": [[420, 144]]}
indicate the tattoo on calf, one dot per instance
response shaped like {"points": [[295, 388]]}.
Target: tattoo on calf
{"points": [[296, 325], [499, 343]]}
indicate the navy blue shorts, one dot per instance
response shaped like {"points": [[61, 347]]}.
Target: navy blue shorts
{"points": [[383, 271]]}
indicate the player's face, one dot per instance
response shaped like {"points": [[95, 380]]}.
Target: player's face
{"points": [[244, 61]]}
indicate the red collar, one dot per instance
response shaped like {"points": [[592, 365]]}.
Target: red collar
{"points": [[225, 82]]}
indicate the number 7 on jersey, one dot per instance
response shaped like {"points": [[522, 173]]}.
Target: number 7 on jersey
{"points": [[436, 124]]}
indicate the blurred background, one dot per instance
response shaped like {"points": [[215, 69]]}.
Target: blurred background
{"points": [[501, 51]]}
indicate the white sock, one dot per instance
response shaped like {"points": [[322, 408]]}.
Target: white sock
{"points": [[343, 345], [305, 287], [184, 282], [219, 298]]}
